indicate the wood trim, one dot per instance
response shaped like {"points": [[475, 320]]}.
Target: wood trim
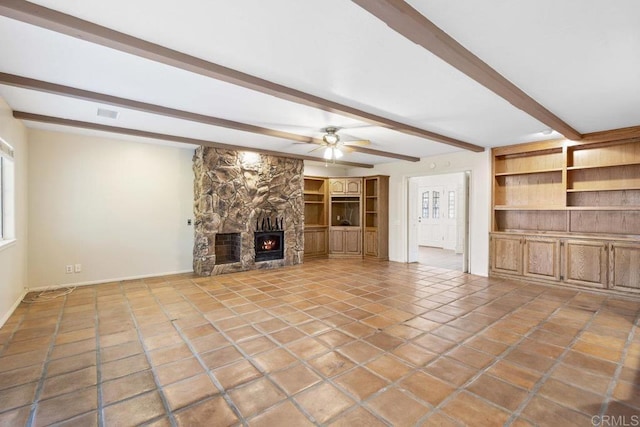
{"points": [[66, 24], [630, 133], [85, 95], [21, 115], [410, 23]]}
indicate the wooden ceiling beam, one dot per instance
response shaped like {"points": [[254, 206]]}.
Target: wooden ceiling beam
{"points": [[85, 95], [53, 20], [21, 115], [410, 23]]}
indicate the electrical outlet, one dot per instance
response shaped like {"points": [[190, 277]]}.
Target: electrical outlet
{"points": [[189, 221], [68, 269], [78, 268]]}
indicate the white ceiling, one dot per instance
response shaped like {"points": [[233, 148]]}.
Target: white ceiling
{"points": [[578, 58]]}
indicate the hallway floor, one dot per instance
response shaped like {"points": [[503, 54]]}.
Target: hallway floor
{"points": [[438, 257], [330, 342]]}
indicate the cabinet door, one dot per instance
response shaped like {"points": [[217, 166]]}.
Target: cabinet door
{"points": [[321, 242], [352, 242], [585, 262], [506, 254], [542, 258], [371, 243], [624, 266], [353, 185], [336, 242], [337, 186], [310, 242]]}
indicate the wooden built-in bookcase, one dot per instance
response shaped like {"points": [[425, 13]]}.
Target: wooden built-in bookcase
{"points": [[346, 216], [568, 212]]}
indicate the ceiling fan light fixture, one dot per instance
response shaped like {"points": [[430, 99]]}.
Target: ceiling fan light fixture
{"points": [[332, 153], [331, 137]]}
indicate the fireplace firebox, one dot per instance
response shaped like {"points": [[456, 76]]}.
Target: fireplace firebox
{"points": [[269, 245]]}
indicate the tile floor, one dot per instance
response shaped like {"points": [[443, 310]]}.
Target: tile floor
{"points": [[438, 257], [340, 343]]}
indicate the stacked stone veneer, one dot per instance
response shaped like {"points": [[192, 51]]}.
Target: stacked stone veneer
{"points": [[232, 195]]}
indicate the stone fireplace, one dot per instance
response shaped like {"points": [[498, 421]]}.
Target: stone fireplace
{"points": [[259, 199]]}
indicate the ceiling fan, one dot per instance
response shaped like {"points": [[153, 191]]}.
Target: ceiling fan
{"points": [[334, 146]]}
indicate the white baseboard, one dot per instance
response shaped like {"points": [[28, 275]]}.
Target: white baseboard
{"points": [[15, 305], [97, 282]]}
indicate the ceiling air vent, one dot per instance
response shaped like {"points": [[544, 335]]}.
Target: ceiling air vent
{"points": [[102, 112]]}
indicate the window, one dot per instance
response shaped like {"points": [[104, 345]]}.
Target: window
{"points": [[6, 191], [436, 205], [452, 204], [425, 204]]}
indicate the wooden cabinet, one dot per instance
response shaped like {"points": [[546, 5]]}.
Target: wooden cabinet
{"points": [[541, 258], [345, 241], [376, 217], [624, 266], [506, 255], [585, 262], [315, 216], [315, 242], [345, 186], [569, 212]]}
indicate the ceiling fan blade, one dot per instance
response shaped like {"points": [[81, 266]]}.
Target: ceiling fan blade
{"points": [[347, 149], [317, 148], [359, 143]]}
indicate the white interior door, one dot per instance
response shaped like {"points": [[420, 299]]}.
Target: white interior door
{"points": [[432, 225], [414, 218]]}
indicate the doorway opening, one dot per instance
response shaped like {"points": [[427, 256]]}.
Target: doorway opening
{"points": [[439, 220]]}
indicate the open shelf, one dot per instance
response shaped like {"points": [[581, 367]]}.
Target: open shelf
{"points": [[527, 172]]}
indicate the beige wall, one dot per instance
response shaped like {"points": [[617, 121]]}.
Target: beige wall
{"points": [[118, 208], [479, 200], [13, 258]]}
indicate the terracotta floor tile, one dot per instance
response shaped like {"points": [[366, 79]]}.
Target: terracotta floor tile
{"points": [[275, 360], [256, 396], [433, 343], [189, 391], [69, 364], [123, 367], [17, 347], [134, 411], [388, 367], [120, 337], [359, 351], [470, 357], [530, 360], [384, 341], [126, 387], [450, 371], [20, 376], [546, 412], [358, 417], [66, 350], [307, 348], [499, 392], [452, 334], [487, 346], [204, 412], [334, 338], [414, 355], [296, 378], [580, 378], [398, 408], [361, 383], [323, 402], [209, 343], [21, 360], [169, 354], [285, 414], [591, 364], [16, 417], [331, 364], [474, 411], [176, 371], [257, 345], [235, 374], [217, 358], [69, 382], [569, 396], [66, 406], [357, 330], [85, 420], [17, 396], [427, 388], [439, 419], [514, 374]]}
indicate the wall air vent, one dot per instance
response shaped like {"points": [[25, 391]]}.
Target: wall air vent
{"points": [[110, 114]]}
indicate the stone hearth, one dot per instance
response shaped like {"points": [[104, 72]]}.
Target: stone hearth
{"points": [[234, 192]]}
